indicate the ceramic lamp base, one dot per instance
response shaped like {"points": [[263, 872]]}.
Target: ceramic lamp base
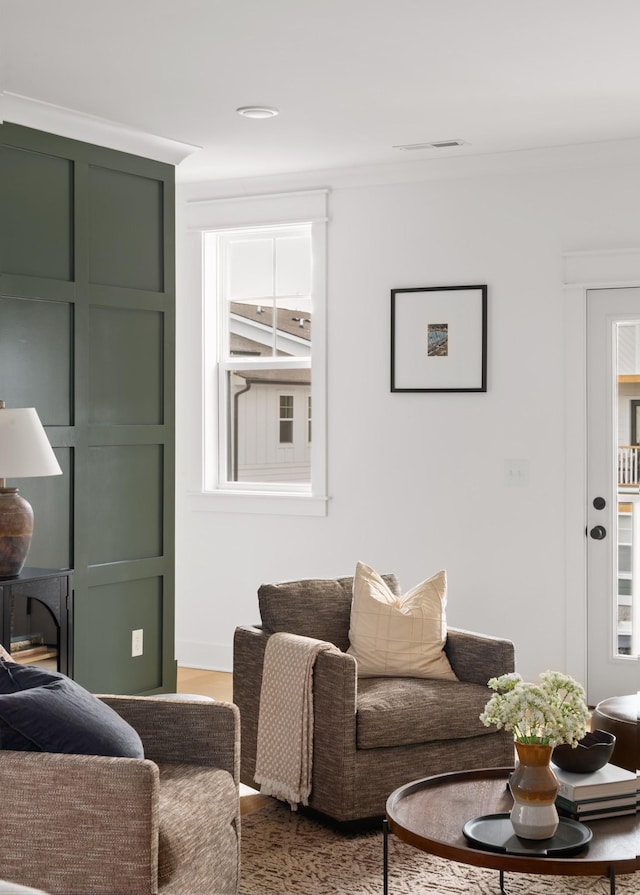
{"points": [[531, 821], [16, 528]]}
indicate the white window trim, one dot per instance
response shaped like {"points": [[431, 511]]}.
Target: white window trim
{"points": [[251, 213]]}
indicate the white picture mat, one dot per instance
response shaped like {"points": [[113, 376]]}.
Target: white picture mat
{"points": [[462, 311]]}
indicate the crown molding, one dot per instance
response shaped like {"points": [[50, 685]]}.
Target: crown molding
{"points": [[192, 178], [29, 112], [602, 268]]}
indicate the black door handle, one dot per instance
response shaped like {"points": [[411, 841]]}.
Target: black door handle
{"points": [[598, 532]]}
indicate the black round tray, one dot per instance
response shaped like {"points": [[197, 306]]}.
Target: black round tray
{"points": [[495, 833]]}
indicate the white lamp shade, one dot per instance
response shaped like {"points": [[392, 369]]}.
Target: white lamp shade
{"points": [[24, 447]]}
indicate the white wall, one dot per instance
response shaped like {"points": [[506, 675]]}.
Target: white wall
{"points": [[417, 481]]}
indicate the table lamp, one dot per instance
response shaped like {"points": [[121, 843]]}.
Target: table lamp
{"points": [[24, 451]]}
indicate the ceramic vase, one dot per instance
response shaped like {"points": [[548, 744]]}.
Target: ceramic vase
{"points": [[534, 789]]}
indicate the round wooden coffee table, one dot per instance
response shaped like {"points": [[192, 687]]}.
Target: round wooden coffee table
{"points": [[430, 814]]}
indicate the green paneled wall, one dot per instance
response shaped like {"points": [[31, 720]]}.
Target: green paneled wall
{"points": [[126, 222], [37, 351], [87, 323], [126, 334], [37, 211], [135, 604]]}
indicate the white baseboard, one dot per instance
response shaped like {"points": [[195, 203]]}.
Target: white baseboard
{"points": [[209, 656]]}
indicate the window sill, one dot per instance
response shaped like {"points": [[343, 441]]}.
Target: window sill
{"points": [[257, 502]]}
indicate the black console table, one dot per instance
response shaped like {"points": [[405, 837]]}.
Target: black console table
{"points": [[54, 589]]}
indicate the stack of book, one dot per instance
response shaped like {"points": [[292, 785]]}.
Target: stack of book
{"points": [[27, 643], [608, 792], [30, 648]]}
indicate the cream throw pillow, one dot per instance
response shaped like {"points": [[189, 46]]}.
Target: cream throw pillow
{"points": [[399, 636]]}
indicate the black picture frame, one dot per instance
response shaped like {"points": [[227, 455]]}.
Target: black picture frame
{"points": [[439, 339]]}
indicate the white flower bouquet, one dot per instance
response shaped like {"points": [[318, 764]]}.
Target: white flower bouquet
{"points": [[551, 712]]}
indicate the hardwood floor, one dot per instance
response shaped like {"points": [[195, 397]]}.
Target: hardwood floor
{"points": [[218, 685]]}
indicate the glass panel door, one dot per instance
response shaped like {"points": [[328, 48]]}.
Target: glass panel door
{"points": [[613, 514]]}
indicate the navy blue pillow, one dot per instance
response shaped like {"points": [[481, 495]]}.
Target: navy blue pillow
{"points": [[45, 711]]}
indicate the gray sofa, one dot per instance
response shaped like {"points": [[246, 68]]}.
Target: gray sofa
{"points": [[371, 735], [96, 825]]}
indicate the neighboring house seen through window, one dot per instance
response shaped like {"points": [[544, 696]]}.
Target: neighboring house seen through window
{"points": [[261, 279]]}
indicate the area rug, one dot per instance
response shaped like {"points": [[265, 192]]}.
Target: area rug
{"points": [[288, 853]]}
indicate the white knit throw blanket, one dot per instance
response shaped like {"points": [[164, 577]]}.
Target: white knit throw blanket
{"points": [[284, 756]]}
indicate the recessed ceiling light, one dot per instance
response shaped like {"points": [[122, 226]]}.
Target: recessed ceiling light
{"points": [[257, 111]]}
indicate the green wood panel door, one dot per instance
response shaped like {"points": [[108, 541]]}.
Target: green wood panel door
{"points": [[87, 329]]}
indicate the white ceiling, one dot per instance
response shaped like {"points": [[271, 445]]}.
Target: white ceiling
{"points": [[352, 78]]}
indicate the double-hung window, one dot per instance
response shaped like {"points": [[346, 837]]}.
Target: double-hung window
{"points": [[264, 365], [261, 279]]}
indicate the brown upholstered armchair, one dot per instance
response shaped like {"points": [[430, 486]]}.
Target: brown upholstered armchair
{"points": [[371, 735], [167, 823]]}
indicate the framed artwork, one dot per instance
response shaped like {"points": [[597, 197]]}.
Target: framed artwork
{"points": [[439, 339]]}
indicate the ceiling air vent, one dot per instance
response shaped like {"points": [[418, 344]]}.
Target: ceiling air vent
{"points": [[438, 144]]}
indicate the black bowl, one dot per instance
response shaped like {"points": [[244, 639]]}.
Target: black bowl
{"points": [[592, 752]]}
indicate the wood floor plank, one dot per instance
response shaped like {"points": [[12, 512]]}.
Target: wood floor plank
{"points": [[218, 684]]}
